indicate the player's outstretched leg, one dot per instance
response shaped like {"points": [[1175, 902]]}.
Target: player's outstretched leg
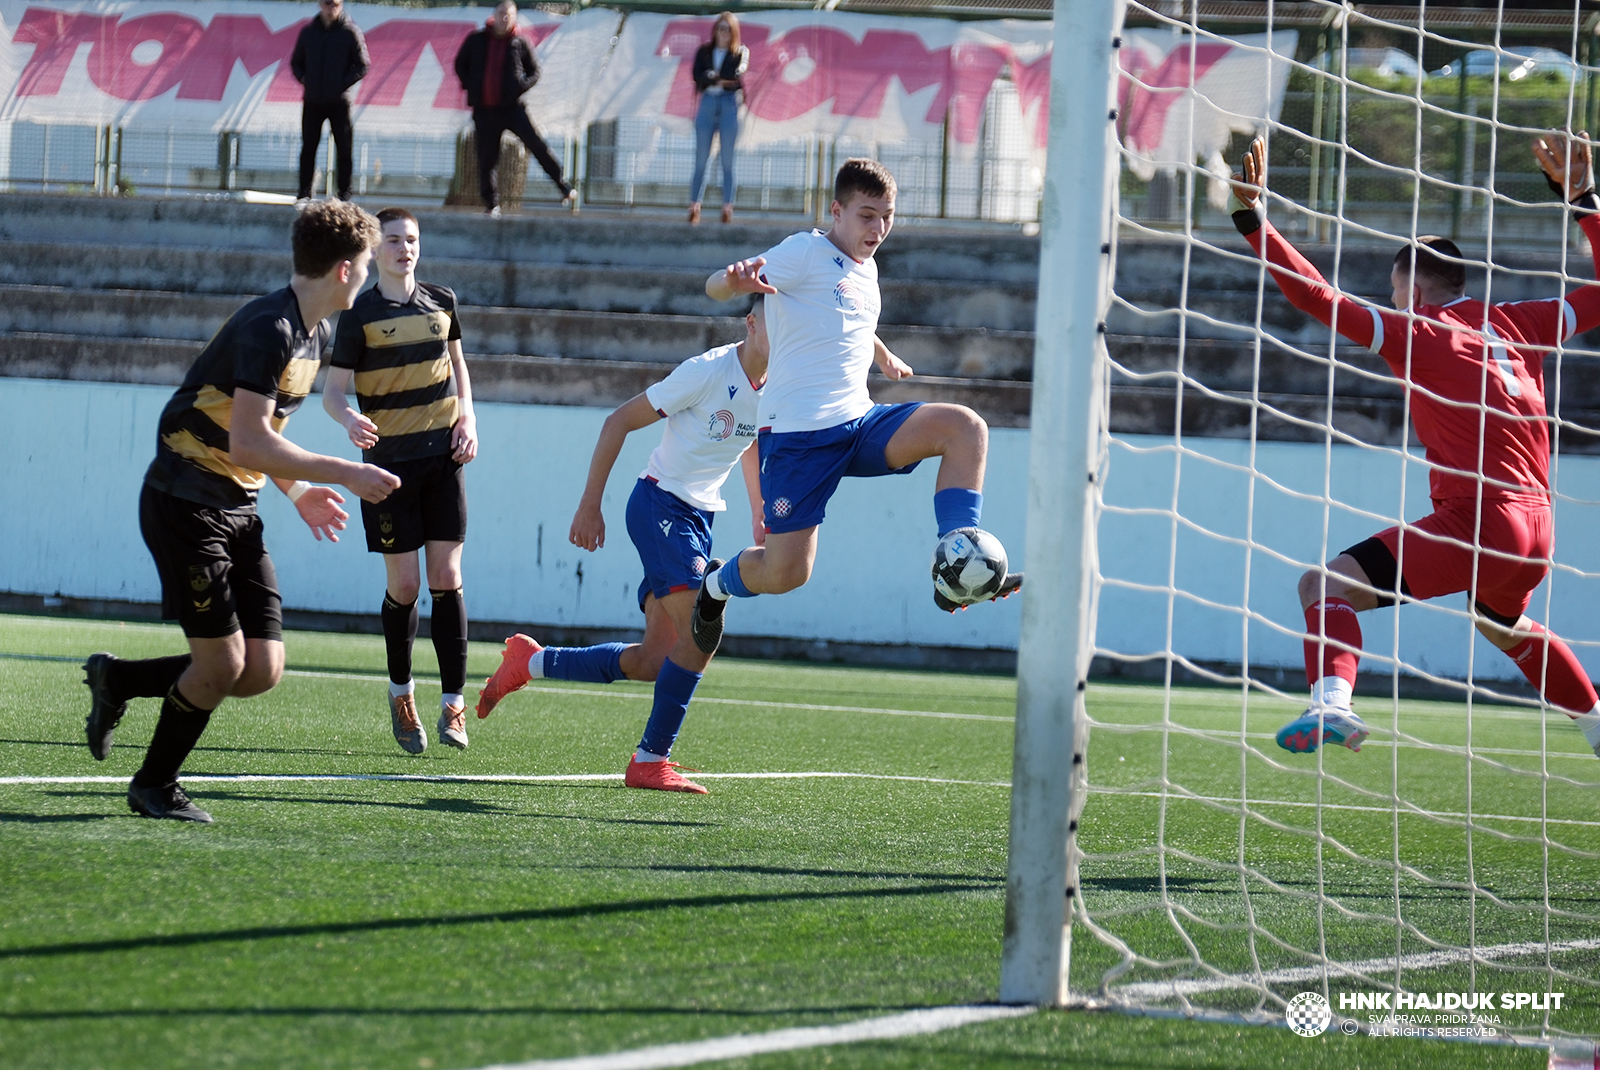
{"points": [[512, 675], [1332, 653], [113, 681]]}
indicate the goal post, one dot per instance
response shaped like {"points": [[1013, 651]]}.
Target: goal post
{"points": [[1068, 381]]}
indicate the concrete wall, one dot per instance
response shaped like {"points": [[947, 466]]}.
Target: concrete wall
{"points": [[76, 452]]}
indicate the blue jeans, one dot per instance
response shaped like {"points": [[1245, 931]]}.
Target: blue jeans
{"points": [[719, 112]]}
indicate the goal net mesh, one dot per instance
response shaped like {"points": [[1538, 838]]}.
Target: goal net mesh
{"points": [[1245, 443]]}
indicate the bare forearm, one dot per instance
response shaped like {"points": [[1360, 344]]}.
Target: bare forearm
{"points": [[606, 450], [458, 364], [717, 287], [282, 460]]}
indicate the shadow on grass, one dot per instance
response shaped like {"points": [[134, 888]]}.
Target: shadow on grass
{"points": [[452, 806], [328, 1011], [52, 819], [578, 910]]}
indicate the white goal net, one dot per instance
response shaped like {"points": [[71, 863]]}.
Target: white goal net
{"points": [[1443, 878]]}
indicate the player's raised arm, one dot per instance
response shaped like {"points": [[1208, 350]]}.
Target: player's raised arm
{"points": [[741, 278], [1568, 165], [1296, 276], [589, 524], [254, 444]]}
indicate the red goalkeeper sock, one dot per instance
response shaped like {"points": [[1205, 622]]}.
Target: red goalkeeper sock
{"points": [[1343, 630], [1552, 667]]}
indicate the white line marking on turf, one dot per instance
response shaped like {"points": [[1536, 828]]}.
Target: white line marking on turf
{"points": [[1424, 960], [743, 1045], [623, 693], [1405, 811], [480, 778]]}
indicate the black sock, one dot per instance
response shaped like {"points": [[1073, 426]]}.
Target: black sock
{"points": [[177, 732], [145, 678], [450, 638], [399, 632]]}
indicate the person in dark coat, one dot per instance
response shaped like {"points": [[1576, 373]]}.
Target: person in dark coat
{"points": [[496, 66], [719, 67], [330, 57]]}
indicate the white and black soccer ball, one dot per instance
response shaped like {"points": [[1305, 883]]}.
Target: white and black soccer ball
{"points": [[969, 565]]}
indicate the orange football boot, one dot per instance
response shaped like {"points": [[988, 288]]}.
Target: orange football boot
{"points": [[512, 675]]}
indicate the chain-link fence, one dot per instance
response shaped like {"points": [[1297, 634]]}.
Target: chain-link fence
{"points": [[627, 162]]}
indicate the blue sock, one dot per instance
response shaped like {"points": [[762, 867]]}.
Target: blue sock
{"points": [[732, 582], [674, 688], [591, 664], [957, 507]]}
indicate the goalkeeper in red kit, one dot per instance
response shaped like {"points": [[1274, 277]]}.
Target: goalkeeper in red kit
{"points": [[1474, 377]]}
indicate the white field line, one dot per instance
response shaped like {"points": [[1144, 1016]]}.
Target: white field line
{"points": [[481, 778], [646, 696], [744, 1045], [1184, 797], [1424, 960]]}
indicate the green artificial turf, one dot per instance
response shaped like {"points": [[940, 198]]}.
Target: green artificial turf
{"points": [[450, 924]]}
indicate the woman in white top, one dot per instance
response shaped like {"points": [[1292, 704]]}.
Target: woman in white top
{"points": [[719, 67]]}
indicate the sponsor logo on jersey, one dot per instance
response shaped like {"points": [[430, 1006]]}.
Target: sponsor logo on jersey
{"points": [[839, 260], [666, 527], [781, 507], [732, 390], [848, 295], [722, 426]]}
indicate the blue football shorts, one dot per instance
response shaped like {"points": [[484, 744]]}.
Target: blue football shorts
{"points": [[673, 539], [800, 470]]}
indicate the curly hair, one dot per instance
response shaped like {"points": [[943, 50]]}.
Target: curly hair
{"points": [[327, 233]]}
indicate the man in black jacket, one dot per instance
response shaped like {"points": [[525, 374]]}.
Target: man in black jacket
{"points": [[330, 56], [496, 66]]}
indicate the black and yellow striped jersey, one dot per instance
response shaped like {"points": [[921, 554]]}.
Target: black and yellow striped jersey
{"points": [[264, 348], [400, 352]]}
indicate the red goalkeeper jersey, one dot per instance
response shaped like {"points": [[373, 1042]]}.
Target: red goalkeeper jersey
{"points": [[1474, 373]]}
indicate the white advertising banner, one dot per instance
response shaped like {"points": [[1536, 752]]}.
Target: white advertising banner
{"points": [[835, 74], [225, 65], [1183, 98]]}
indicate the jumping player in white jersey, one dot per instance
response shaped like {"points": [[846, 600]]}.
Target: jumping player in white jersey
{"points": [[818, 423], [710, 405]]}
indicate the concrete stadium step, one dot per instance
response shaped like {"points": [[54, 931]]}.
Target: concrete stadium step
{"points": [[512, 284], [940, 351], [918, 250]]}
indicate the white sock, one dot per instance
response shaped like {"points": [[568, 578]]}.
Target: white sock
{"points": [[1332, 691], [396, 690], [713, 584], [536, 666], [452, 700], [1590, 723], [642, 755]]}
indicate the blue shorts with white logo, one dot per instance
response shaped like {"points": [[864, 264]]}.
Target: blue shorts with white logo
{"points": [[800, 470], [673, 539]]}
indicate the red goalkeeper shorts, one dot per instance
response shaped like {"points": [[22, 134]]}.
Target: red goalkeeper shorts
{"points": [[1436, 555]]}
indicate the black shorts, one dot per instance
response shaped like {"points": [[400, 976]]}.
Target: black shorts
{"points": [[430, 506], [216, 577]]}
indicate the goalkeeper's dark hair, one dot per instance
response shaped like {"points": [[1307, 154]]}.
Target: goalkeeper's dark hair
{"points": [[860, 175], [1436, 258], [327, 233], [758, 305]]}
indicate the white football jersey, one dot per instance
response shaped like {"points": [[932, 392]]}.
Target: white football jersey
{"points": [[710, 408], [820, 324]]}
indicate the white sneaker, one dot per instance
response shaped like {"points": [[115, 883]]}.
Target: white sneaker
{"points": [[493, 213], [1336, 725], [453, 726]]}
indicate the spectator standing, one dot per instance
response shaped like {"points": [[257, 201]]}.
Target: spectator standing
{"points": [[330, 57], [719, 67], [496, 66]]}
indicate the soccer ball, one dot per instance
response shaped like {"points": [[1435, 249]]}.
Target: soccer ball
{"points": [[969, 565]]}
